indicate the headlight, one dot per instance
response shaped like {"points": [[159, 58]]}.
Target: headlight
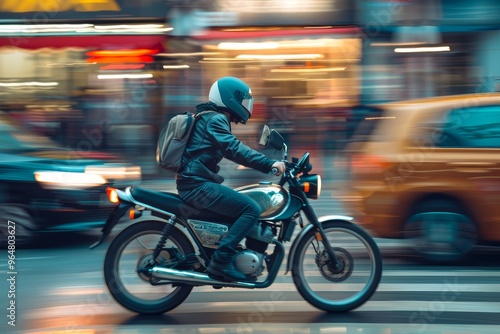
{"points": [[311, 185], [68, 180], [116, 172]]}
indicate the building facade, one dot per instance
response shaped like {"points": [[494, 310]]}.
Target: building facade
{"points": [[106, 75]]}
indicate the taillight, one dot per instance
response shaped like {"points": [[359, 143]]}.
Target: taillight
{"points": [[112, 195], [368, 164]]}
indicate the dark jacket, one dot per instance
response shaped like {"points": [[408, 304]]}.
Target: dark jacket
{"points": [[212, 140]]}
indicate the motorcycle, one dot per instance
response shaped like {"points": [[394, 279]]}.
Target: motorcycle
{"points": [[152, 265]]}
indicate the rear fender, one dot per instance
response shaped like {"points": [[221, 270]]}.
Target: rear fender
{"points": [[324, 219], [118, 212]]}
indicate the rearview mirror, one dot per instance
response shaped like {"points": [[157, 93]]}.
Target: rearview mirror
{"points": [[264, 136], [272, 138], [276, 141]]}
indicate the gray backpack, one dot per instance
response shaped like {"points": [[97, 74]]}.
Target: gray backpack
{"points": [[173, 140]]}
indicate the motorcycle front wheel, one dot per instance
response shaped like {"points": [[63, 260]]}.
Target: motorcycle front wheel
{"points": [[337, 289], [129, 252]]}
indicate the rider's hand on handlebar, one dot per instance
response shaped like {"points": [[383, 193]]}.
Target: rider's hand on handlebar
{"points": [[280, 166]]}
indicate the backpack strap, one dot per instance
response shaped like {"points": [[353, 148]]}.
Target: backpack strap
{"points": [[196, 117]]}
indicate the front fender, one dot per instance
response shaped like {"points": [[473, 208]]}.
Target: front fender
{"points": [[323, 219]]}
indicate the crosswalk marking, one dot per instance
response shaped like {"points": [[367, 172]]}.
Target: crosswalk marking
{"points": [[393, 306], [419, 293], [431, 281], [278, 328], [389, 287], [281, 306]]}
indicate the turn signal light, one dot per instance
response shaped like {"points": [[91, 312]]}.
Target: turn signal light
{"points": [[134, 214], [112, 195], [311, 185]]}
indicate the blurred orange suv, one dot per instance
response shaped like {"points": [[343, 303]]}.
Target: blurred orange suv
{"points": [[428, 170]]}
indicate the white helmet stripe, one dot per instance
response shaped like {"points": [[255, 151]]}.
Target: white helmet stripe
{"points": [[214, 95]]}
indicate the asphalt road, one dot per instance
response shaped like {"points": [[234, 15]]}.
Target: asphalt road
{"points": [[58, 287]]}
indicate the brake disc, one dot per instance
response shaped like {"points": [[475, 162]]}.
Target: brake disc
{"points": [[329, 271]]}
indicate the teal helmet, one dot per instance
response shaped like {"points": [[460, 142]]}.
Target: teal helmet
{"points": [[234, 96]]}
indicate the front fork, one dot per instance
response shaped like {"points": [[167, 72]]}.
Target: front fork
{"points": [[321, 236], [313, 219]]}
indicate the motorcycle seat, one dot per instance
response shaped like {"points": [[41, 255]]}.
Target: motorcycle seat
{"points": [[172, 203]]}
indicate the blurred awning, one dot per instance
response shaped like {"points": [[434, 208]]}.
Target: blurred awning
{"points": [[87, 42], [276, 33], [25, 6]]}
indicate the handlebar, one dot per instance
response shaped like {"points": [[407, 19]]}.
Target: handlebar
{"points": [[295, 167]]}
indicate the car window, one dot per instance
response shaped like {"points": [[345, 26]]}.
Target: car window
{"points": [[15, 138], [24, 141], [473, 127], [362, 121]]}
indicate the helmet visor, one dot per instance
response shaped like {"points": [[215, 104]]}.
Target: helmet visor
{"points": [[247, 102]]}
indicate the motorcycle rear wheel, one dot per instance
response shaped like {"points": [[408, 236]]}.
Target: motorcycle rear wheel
{"points": [[127, 252], [331, 289]]}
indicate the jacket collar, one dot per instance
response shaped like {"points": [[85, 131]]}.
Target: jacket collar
{"points": [[206, 106]]}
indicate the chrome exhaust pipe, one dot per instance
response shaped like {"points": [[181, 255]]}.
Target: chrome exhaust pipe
{"points": [[193, 278]]}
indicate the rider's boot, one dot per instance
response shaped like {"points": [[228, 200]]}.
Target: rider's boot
{"points": [[222, 261], [225, 270]]}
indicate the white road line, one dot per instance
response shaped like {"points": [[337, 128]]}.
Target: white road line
{"points": [[445, 289], [242, 326], [463, 273], [279, 306], [447, 285], [382, 306], [20, 259], [35, 258]]}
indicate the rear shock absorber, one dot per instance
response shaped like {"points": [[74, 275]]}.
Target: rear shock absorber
{"points": [[164, 236]]}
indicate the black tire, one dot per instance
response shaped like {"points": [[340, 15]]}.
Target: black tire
{"points": [[356, 249], [117, 274], [15, 221], [441, 231]]}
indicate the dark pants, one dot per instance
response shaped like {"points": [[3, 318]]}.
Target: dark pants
{"points": [[228, 202]]}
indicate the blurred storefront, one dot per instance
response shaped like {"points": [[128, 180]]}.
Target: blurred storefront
{"points": [[106, 74], [84, 72], [424, 48], [302, 60]]}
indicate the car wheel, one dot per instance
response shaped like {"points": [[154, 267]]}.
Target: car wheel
{"points": [[16, 222], [440, 231]]}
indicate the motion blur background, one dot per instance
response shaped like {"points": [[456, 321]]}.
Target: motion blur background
{"points": [[105, 75], [101, 77]]}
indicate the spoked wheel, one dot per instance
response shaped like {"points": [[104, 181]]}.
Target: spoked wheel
{"points": [[130, 252], [342, 288]]}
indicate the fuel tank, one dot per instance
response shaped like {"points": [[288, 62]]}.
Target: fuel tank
{"points": [[272, 198]]}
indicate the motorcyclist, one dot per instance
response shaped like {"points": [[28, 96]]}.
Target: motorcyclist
{"points": [[199, 184]]}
